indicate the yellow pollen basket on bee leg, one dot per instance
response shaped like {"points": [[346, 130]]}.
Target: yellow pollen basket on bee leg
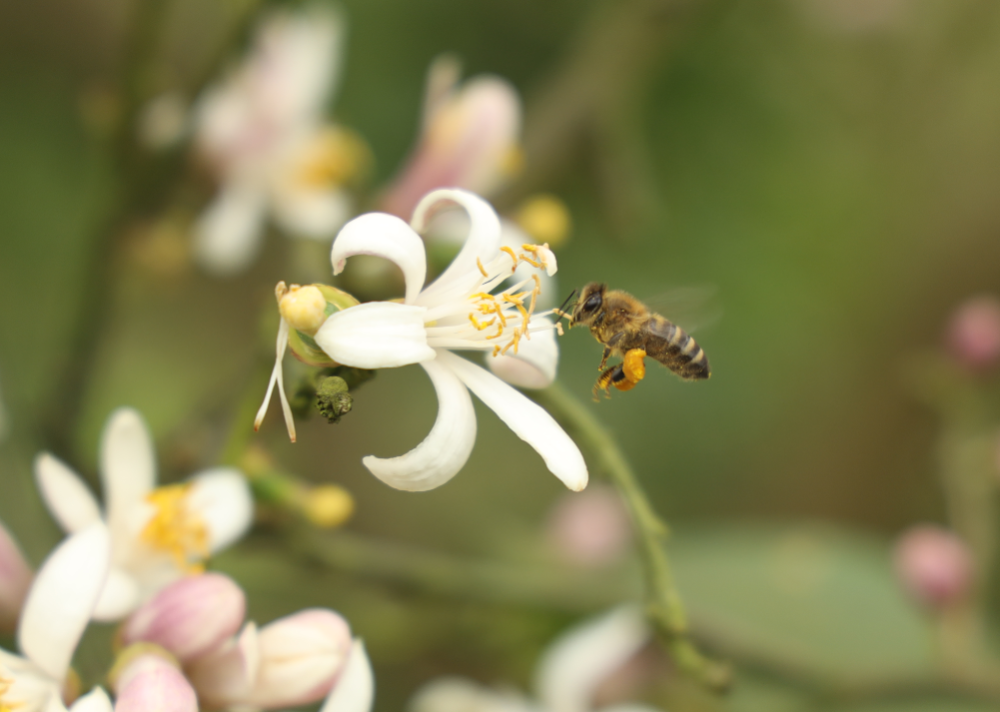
{"points": [[175, 529]]}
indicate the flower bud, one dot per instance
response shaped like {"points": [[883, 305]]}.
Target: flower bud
{"points": [[590, 528], [189, 617], [934, 565], [327, 506], [973, 336], [545, 218], [15, 580], [149, 681], [305, 309]]}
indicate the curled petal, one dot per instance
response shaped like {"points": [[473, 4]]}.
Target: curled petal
{"points": [[222, 498], [534, 364], [229, 233], [355, 688], [482, 243], [385, 236], [376, 335], [445, 450], [65, 494], [15, 578], [128, 469], [62, 598], [118, 598], [574, 666], [527, 419]]}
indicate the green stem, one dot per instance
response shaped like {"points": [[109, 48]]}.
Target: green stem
{"points": [[663, 601]]}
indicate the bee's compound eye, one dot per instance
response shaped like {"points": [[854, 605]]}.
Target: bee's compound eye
{"points": [[593, 301]]}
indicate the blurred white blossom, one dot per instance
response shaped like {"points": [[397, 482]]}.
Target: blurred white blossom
{"points": [[158, 534], [567, 677], [56, 612], [458, 311], [263, 133]]}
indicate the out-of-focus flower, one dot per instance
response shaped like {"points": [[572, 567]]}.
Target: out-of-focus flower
{"points": [[163, 121], [934, 565], [263, 132], [158, 534], [15, 579], [150, 681], [567, 677], [468, 139], [973, 336], [591, 528], [292, 661], [190, 617], [55, 614], [458, 311]]}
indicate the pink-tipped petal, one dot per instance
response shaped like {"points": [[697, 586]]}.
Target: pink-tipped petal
{"points": [[189, 618], [387, 236], [96, 700], [447, 447], [62, 599], [225, 676]]}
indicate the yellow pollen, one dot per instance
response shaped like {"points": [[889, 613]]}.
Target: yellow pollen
{"points": [[496, 349], [512, 256], [175, 529], [333, 157], [480, 326], [479, 263]]}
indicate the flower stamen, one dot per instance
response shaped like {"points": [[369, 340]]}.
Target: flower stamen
{"points": [[176, 529], [513, 256], [479, 264]]}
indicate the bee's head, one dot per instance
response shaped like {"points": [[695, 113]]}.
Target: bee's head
{"points": [[589, 304]]}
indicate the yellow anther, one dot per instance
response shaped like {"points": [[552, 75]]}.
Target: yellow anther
{"points": [[533, 263], [304, 308], [480, 326], [328, 506], [484, 296], [513, 256], [479, 263], [175, 529], [496, 349], [498, 334]]}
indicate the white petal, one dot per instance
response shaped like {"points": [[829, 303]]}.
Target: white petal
{"points": [[376, 335], [229, 233], [455, 694], [445, 450], [222, 498], [387, 236], [95, 701], [527, 419], [62, 598], [314, 214], [119, 597], [65, 494], [534, 364], [576, 663], [128, 468], [482, 243], [355, 688]]}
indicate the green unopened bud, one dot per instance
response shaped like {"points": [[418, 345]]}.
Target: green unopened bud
{"points": [[333, 398]]}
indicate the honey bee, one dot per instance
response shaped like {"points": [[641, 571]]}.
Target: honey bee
{"points": [[627, 328]]}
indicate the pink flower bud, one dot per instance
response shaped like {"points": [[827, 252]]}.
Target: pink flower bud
{"points": [[973, 336], [15, 580], [590, 528], [150, 682], [293, 661], [189, 617], [934, 565]]}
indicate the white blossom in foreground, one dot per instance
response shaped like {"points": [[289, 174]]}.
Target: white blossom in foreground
{"points": [[264, 134], [569, 674], [463, 310], [158, 534], [469, 138], [56, 612]]}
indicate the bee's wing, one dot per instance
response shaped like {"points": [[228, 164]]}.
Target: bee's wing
{"points": [[693, 308]]}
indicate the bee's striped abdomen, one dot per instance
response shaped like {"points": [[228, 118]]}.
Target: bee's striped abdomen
{"points": [[676, 350]]}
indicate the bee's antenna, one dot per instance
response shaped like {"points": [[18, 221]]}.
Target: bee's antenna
{"points": [[560, 311]]}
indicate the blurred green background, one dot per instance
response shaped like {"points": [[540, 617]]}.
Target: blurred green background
{"points": [[830, 167]]}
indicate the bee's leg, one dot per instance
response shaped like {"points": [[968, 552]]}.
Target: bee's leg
{"points": [[633, 370], [605, 380], [604, 358]]}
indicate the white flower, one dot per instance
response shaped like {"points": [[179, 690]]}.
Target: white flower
{"points": [[568, 675], [56, 612], [263, 132], [158, 535], [457, 312]]}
